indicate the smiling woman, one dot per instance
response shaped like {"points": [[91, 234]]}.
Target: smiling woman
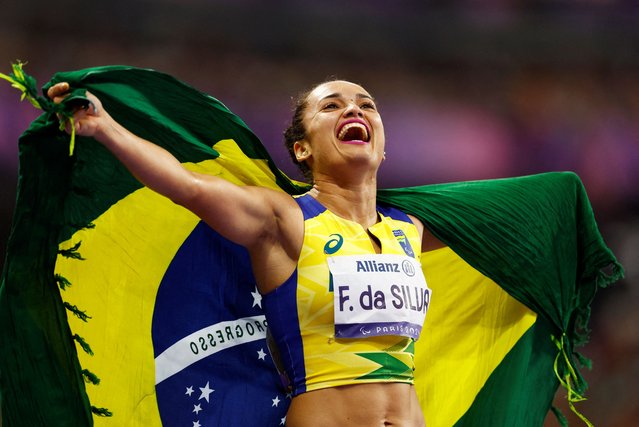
{"points": [[330, 353], [354, 130]]}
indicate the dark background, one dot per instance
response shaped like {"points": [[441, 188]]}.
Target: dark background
{"points": [[468, 89]]}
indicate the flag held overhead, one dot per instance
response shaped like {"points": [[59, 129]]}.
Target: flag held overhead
{"points": [[160, 288]]}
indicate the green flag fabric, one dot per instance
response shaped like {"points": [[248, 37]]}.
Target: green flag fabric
{"points": [[100, 272], [537, 238]]}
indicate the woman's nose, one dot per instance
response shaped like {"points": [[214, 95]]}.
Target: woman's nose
{"points": [[352, 109]]}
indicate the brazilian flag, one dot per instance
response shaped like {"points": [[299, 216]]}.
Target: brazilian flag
{"points": [[120, 308]]}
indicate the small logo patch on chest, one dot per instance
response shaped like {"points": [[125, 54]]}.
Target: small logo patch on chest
{"points": [[404, 242], [333, 244]]}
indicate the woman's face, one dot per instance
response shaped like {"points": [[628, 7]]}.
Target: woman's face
{"points": [[343, 126]]}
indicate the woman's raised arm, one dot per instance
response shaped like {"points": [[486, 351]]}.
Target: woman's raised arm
{"points": [[244, 215]]}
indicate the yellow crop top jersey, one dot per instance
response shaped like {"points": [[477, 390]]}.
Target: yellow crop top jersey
{"points": [[300, 312]]}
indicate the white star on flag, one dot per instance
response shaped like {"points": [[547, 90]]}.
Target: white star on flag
{"points": [[276, 401], [189, 390], [196, 424], [205, 392], [261, 355], [197, 408], [283, 421], [257, 298]]}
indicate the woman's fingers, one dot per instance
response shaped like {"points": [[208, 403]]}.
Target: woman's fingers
{"points": [[92, 108], [87, 113], [58, 92]]}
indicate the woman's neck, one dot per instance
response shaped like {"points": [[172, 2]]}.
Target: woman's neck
{"points": [[355, 202]]}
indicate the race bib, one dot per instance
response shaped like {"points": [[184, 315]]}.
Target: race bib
{"points": [[378, 294]]}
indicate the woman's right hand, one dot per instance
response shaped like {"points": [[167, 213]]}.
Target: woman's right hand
{"points": [[90, 120]]}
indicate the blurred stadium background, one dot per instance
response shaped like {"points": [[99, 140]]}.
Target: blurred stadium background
{"points": [[468, 89]]}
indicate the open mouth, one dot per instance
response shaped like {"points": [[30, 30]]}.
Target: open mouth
{"points": [[353, 132]]}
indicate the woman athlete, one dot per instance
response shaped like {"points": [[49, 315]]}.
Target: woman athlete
{"points": [[340, 139]]}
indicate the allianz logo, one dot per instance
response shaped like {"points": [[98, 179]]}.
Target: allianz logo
{"points": [[371, 266], [377, 267]]}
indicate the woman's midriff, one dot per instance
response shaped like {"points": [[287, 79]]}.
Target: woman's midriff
{"points": [[374, 405]]}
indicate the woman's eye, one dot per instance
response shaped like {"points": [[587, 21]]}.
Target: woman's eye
{"points": [[330, 106], [368, 105]]}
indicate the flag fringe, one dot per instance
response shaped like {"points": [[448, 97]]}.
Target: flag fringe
{"points": [[82, 315], [90, 377], [569, 378], [63, 124], [72, 252], [27, 85], [101, 412], [583, 360], [85, 346], [62, 282], [561, 418]]}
